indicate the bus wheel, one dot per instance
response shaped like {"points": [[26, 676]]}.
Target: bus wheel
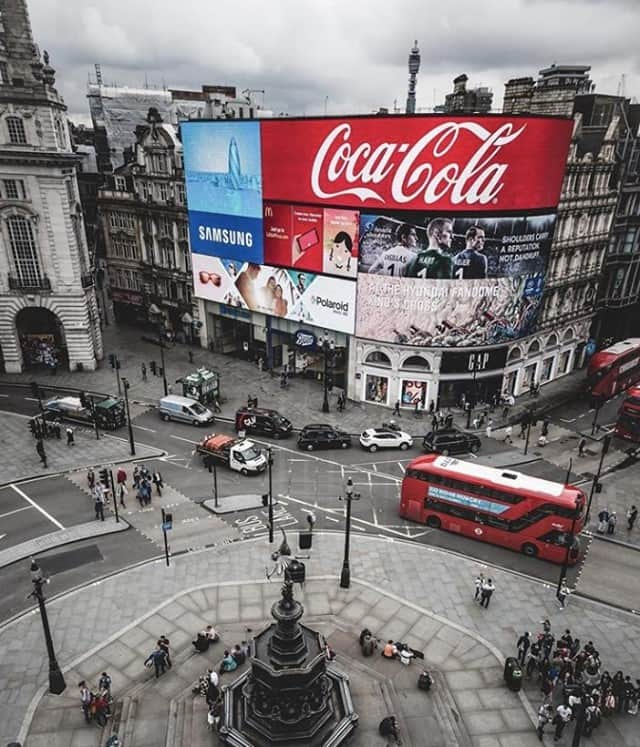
{"points": [[529, 550], [433, 522]]}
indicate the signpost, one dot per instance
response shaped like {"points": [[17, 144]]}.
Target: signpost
{"points": [[167, 525]]}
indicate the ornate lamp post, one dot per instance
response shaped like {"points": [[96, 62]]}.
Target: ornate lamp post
{"points": [[345, 576], [57, 684]]}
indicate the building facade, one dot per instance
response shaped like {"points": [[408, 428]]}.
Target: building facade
{"points": [[143, 221], [463, 100], [48, 311]]}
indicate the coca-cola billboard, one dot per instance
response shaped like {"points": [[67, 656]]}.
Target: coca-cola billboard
{"points": [[464, 164]]}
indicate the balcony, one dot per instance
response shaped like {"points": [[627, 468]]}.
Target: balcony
{"points": [[28, 285]]}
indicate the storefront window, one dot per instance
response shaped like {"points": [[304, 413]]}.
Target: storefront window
{"points": [[376, 389], [414, 392], [564, 361], [378, 359], [547, 366], [529, 376]]}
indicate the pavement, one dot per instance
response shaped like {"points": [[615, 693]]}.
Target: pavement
{"points": [[399, 590]]}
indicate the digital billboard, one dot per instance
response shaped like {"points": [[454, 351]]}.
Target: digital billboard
{"points": [[460, 281], [223, 170], [301, 296], [443, 223]]}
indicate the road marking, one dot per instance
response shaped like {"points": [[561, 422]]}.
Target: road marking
{"points": [[4, 395], [375, 467], [15, 511], [401, 467], [331, 518], [15, 414], [142, 428], [564, 420], [2, 536], [32, 399], [186, 440], [35, 505]]}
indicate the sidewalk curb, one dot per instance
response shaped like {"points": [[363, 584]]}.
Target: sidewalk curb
{"points": [[61, 473], [622, 543]]}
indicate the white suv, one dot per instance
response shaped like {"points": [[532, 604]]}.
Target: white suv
{"points": [[382, 438]]}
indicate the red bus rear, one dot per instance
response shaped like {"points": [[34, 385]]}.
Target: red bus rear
{"points": [[500, 506], [614, 369], [628, 425]]}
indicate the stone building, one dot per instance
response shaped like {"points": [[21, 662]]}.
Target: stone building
{"points": [[463, 100], [48, 311], [143, 217]]}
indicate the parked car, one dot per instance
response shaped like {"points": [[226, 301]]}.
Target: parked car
{"points": [[451, 441], [263, 422], [184, 410], [318, 436], [383, 438]]}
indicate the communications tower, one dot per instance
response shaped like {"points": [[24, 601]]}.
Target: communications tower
{"points": [[414, 67]]}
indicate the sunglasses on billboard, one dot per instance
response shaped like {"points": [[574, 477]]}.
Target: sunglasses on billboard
{"points": [[210, 277]]}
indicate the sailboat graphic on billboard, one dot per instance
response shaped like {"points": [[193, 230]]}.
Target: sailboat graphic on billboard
{"points": [[224, 195]]}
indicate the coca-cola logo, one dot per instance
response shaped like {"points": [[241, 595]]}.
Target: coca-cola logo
{"points": [[416, 171]]}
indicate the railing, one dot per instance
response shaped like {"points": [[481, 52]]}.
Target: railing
{"points": [[18, 284]]}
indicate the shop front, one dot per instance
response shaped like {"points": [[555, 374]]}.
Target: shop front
{"points": [[128, 307], [471, 376]]}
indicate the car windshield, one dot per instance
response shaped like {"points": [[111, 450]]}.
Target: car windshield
{"points": [[198, 408], [251, 453], [280, 420]]}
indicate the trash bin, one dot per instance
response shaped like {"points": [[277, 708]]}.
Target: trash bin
{"points": [[513, 674]]}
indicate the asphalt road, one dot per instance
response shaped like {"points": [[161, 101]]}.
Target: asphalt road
{"points": [[302, 483]]}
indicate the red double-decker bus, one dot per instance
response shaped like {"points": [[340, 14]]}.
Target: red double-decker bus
{"points": [[500, 506], [628, 425], [614, 369]]}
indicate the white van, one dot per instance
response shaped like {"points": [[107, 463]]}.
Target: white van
{"points": [[184, 410]]}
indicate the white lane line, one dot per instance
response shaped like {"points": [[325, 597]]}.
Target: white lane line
{"points": [[15, 511], [402, 469], [186, 440], [5, 396], [2, 536], [571, 420], [330, 518], [374, 467], [35, 505], [32, 399], [142, 428]]}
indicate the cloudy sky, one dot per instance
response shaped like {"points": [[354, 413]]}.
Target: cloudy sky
{"points": [[345, 55]]}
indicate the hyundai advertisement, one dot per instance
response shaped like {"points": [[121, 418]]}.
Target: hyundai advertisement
{"points": [[442, 223]]}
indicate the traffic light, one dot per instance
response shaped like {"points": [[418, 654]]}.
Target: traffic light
{"points": [[265, 499], [104, 477], [152, 366], [112, 360]]}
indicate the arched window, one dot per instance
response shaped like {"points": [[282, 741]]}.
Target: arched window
{"points": [[15, 127], [552, 341], [378, 359], [416, 363], [24, 251], [514, 355], [533, 348], [568, 335]]}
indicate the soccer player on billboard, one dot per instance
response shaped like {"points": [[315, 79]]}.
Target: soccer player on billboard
{"points": [[470, 263], [432, 263], [394, 260]]}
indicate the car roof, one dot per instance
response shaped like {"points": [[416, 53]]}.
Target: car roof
{"points": [[318, 426], [258, 411], [380, 431]]}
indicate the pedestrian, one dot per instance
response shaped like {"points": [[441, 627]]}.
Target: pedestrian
{"points": [[488, 431], [136, 477], [260, 363], [507, 434], [104, 683], [523, 644], [611, 523], [479, 583], [545, 427], [145, 489], [70, 436], [85, 700], [57, 430], [157, 481], [416, 409], [486, 593], [396, 408], [158, 660], [560, 720], [603, 519], [563, 593], [99, 502], [448, 421], [121, 476], [475, 423], [216, 405], [91, 478], [582, 443], [434, 424], [432, 407], [143, 368], [163, 645], [41, 452], [228, 663], [632, 515], [545, 714], [122, 492]]}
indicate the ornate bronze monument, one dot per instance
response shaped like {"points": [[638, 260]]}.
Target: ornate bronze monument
{"points": [[291, 695]]}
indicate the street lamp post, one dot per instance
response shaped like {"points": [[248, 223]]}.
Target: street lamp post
{"points": [[328, 349], [606, 442], [126, 385], [345, 576], [594, 424], [57, 685], [270, 465], [155, 315], [569, 542]]}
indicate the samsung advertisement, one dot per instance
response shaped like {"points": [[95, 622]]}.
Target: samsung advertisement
{"points": [[428, 230]]}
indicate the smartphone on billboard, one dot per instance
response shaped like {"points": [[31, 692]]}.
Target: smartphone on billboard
{"points": [[307, 240]]}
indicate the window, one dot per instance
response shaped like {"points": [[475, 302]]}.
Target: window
{"points": [[14, 189], [547, 367], [565, 359], [16, 131], [124, 247], [4, 75], [24, 250], [417, 362], [159, 163], [120, 184], [165, 226], [180, 193], [71, 194], [168, 257], [147, 225], [144, 191], [378, 359], [120, 221], [163, 192], [183, 233]]}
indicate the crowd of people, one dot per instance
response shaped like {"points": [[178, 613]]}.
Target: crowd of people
{"points": [[574, 684], [142, 481], [96, 703]]}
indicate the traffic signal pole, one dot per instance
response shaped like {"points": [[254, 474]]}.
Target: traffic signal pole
{"points": [[115, 497]]}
